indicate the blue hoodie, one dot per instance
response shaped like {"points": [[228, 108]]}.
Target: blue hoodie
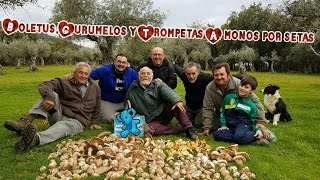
{"points": [[107, 82]]}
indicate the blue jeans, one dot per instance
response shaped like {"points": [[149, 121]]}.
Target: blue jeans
{"points": [[242, 134]]}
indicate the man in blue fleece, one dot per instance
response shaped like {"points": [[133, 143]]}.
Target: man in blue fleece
{"points": [[114, 81]]}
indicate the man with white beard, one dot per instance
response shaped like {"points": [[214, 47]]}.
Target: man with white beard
{"points": [[159, 103]]}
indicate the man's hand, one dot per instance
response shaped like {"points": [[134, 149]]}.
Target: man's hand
{"points": [[158, 80], [95, 126], [68, 76], [206, 132], [258, 134], [223, 128], [180, 106], [47, 105]]}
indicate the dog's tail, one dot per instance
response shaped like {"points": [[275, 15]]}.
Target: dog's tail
{"points": [[285, 116], [288, 117]]}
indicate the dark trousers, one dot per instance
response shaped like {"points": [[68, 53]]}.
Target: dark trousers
{"points": [[242, 134], [159, 125]]}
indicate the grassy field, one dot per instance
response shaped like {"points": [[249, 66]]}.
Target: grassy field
{"points": [[294, 156]]}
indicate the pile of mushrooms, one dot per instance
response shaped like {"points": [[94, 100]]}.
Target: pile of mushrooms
{"points": [[132, 158]]}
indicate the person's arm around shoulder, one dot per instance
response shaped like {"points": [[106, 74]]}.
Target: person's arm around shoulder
{"points": [[134, 74], [97, 73], [179, 70]]}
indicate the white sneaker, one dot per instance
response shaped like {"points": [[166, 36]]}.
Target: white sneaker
{"points": [[262, 142], [272, 137]]}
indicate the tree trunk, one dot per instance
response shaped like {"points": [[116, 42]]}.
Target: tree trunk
{"points": [[24, 60], [185, 61], [106, 53], [253, 68], [271, 67], [18, 66], [33, 66], [94, 65], [42, 61], [242, 68], [105, 45], [1, 70], [206, 65]]}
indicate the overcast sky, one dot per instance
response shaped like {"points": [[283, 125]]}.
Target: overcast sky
{"points": [[180, 13]]}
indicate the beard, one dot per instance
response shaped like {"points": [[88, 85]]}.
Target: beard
{"points": [[145, 83]]}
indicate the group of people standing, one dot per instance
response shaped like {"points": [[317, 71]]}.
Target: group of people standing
{"points": [[213, 102]]}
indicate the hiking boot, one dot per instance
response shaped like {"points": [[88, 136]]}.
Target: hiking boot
{"points": [[190, 133], [29, 138], [262, 142], [272, 137], [18, 126]]}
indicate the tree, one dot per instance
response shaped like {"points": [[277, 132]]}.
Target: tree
{"points": [[107, 12], [44, 50], [259, 18], [274, 58], [32, 52], [17, 51], [302, 59], [12, 4], [137, 50], [306, 17], [175, 51], [3, 55]]}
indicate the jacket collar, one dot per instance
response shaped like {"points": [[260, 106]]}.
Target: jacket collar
{"points": [[73, 81]]}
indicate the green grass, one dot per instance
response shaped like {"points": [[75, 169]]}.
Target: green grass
{"points": [[294, 156]]}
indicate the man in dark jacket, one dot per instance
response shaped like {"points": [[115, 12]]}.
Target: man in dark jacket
{"points": [[195, 83], [159, 103], [163, 70], [70, 106]]}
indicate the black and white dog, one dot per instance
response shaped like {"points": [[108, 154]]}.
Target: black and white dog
{"points": [[276, 107]]}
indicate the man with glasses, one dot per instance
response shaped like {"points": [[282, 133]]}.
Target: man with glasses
{"points": [[114, 81]]}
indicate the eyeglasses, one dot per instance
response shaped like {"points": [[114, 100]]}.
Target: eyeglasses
{"points": [[121, 62]]}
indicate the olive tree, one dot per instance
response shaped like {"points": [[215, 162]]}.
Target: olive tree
{"points": [[107, 12]]}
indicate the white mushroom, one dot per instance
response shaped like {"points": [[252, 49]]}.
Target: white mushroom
{"points": [[43, 169], [52, 164]]}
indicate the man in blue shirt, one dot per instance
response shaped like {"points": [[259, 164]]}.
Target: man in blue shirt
{"points": [[114, 81]]}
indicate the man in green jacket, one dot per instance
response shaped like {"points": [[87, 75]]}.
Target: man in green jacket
{"points": [[159, 103]]}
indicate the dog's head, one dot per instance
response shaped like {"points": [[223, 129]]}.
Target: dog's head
{"points": [[270, 89]]}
